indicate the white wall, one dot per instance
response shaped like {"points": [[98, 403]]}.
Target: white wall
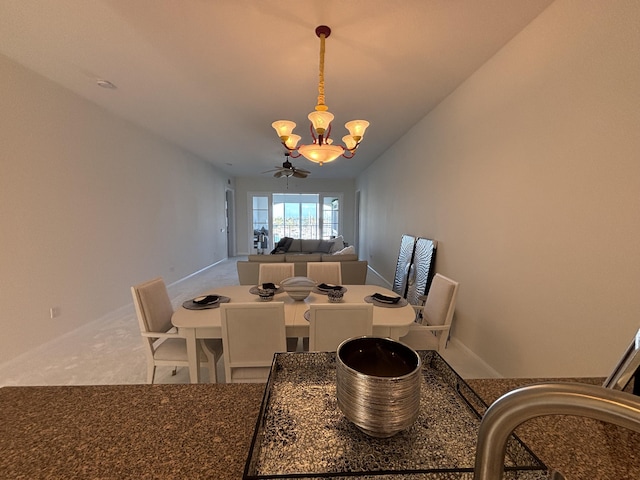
{"points": [[529, 177], [269, 184], [89, 205]]}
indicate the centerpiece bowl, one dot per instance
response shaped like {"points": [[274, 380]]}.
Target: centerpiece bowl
{"points": [[378, 384], [298, 288]]}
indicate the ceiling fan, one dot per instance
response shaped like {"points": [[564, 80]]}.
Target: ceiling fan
{"points": [[288, 170]]}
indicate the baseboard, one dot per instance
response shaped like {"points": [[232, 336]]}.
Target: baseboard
{"points": [[195, 273], [461, 346], [379, 277]]}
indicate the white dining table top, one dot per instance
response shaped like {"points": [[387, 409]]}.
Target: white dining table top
{"points": [[207, 321]]}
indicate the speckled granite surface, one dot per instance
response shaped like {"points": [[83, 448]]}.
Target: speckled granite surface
{"points": [[579, 448], [128, 431], [303, 431], [204, 431]]}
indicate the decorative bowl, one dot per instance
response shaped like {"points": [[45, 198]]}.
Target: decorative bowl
{"points": [[266, 294], [335, 296], [298, 288], [378, 384]]}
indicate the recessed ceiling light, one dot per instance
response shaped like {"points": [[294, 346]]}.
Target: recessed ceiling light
{"points": [[106, 84]]}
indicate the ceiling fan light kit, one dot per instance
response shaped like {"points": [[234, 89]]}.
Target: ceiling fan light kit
{"points": [[322, 150]]}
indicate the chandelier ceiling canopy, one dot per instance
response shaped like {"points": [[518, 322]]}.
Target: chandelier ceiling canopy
{"points": [[321, 150]]}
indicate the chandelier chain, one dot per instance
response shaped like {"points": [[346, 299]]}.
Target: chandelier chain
{"points": [[321, 76]]}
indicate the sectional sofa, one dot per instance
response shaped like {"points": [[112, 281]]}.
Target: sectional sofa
{"points": [[300, 252]]}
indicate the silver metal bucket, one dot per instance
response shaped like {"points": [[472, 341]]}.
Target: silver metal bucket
{"points": [[378, 384]]}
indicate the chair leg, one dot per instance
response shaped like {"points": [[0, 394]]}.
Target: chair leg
{"points": [[292, 344], [213, 371], [151, 373], [212, 361]]}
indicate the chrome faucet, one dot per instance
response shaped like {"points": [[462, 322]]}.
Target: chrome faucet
{"points": [[520, 405]]}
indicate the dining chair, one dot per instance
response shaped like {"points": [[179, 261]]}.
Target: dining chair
{"points": [[325, 272], [431, 329], [251, 334], [331, 324], [275, 272], [164, 346]]}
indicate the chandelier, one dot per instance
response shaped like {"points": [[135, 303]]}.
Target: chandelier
{"points": [[322, 150]]}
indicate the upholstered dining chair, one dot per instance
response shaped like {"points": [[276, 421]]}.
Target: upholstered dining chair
{"points": [[163, 345], [325, 272], [330, 324], [275, 272], [433, 320], [251, 334]]}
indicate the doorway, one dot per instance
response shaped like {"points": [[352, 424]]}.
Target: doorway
{"points": [[229, 213]]}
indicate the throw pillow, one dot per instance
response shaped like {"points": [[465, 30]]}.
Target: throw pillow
{"points": [[325, 246], [350, 250], [338, 244]]}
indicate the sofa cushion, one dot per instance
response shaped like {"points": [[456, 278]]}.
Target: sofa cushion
{"points": [[339, 258], [303, 257], [266, 258], [309, 245], [295, 245], [283, 245]]}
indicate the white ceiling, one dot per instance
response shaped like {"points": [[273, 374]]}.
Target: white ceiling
{"points": [[211, 75]]}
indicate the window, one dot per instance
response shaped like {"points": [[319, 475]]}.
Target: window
{"points": [[295, 215], [330, 217], [260, 222]]}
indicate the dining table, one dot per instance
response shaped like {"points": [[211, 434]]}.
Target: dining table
{"points": [[389, 320]]}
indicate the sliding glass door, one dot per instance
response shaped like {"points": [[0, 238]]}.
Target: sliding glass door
{"points": [[295, 215]]}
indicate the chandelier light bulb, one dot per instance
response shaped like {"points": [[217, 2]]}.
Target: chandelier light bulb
{"points": [[292, 141], [320, 120], [350, 142], [356, 128], [283, 128]]}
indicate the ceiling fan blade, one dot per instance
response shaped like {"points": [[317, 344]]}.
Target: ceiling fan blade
{"points": [[299, 174], [302, 170], [278, 174], [273, 170]]}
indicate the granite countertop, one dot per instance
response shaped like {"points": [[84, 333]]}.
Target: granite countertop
{"points": [[578, 447], [127, 431], [204, 431]]}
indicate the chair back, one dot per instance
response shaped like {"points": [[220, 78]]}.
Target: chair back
{"points": [[440, 304], [325, 272], [330, 324], [251, 334], [153, 306], [275, 272]]}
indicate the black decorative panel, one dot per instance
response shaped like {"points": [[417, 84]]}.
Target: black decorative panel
{"points": [[422, 270], [405, 256]]}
